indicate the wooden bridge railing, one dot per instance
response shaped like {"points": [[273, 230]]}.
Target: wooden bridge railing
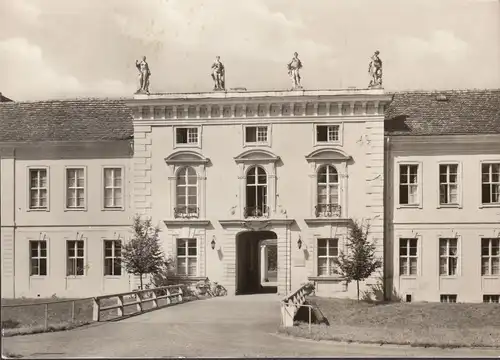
{"points": [[172, 294], [292, 303]]}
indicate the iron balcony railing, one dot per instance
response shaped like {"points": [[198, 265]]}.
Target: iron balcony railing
{"points": [[186, 212], [328, 210], [256, 211]]}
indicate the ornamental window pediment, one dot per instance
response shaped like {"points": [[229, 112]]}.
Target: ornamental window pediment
{"points": [[328, 154], [186, 157], [256, 156]]}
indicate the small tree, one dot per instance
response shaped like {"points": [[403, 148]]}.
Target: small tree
{"points": [[143, 254], [359, 262]]}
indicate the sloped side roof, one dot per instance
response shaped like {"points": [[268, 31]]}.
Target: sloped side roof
{"points": [[65, 120], [454, 112]]}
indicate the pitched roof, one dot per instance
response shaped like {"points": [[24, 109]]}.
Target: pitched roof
{"points": [[4, 98], [452, 112], [65, 120]]}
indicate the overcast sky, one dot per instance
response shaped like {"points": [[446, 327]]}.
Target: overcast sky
{"points": [[80, 48]]}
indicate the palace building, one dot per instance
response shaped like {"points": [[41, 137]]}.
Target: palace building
{"points": [[255, 190]]}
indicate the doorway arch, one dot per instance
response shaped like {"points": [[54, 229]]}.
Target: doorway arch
{"points": [[255, 271]]}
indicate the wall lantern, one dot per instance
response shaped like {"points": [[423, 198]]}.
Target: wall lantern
{"points": [[299, 243], [212, 244]]}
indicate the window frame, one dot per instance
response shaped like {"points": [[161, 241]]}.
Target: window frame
{"points": [[186, 195], [328, 185], [187, 256], [408, 256], [85, 188], [491, 298], [188, 144], [28, 196], [459, 184], [327, 256], [76, 257], [266, 208], [316, 142], [113, 257], [103, 187], [481, 204], [39, 257], [267, 143], [448, 297], [419, 183], [490, 256], [448, 256]]}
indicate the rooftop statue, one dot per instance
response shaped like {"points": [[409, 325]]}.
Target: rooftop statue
{"points": [[218, 75], [375, 71], [294, 67], [144, 75]]}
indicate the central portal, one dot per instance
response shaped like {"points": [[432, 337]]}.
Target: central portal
{"points": [[256, 262]]}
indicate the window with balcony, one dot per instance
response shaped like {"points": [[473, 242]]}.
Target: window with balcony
{"points": [[75, 258], [256, 193], [75, 188], [38, 258], [256, 135], [187, 193], [408, 257], [38, 189], [448, 257], [408, 184], [490, 256], [112, 257], [186, 136], [113, 188], [328, 192], [327, 134], [328, 251], [187, 257], [448, 184], [490, 184]]}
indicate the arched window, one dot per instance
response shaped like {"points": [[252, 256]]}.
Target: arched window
{"points": [[256, 193], [328, 191], [187, 193]]}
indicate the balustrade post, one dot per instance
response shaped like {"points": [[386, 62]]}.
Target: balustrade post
{"points": [[180, 294], [46, 322], [169, 301], [153, 296], [120, 303], [73, 311], [139, 301], [96, 309]]}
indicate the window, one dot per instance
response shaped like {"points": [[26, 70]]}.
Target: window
{"points": [[490, 256], [327, 133], [328, 251], [113, 188], [256, 135], [75, 260], [491, 299], [490, 183], [38, 189], [187, 257], [256, 193], [408, 257], [186, 136], [328, 192], [75, 188], [112, 257], [448, 257], [448, 184], [408, 184], [187, 193], [448, 298], [38, 256]]}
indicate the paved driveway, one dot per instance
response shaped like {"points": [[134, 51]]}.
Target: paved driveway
{"points": [[230, 326]]}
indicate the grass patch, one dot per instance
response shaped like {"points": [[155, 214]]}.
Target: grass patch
{"points": [[415, 324]]}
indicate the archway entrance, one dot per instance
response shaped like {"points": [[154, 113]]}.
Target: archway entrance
{"points": [[256, 262]]}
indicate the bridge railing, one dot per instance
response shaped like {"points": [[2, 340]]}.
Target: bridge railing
{"points": [[291, 304], [143, 300]]}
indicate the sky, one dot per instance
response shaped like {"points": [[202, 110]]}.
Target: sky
{"points": [[88, 48]]}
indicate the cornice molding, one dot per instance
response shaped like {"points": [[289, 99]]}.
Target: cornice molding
{"points": [[186, 222], [255, 224], [328, 221]]}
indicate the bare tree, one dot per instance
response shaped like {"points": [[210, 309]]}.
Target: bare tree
{"points": [[359, 262], [143, 254]]}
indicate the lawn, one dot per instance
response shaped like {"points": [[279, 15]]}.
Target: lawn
{"points": [[417, 324]]}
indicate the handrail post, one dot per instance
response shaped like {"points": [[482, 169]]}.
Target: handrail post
{"points": [[139, 301], [309, 318], [73, 311], [95, 311], [169, 301], [46, 322], [153, 296], [120, 303], [180, 293]]}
